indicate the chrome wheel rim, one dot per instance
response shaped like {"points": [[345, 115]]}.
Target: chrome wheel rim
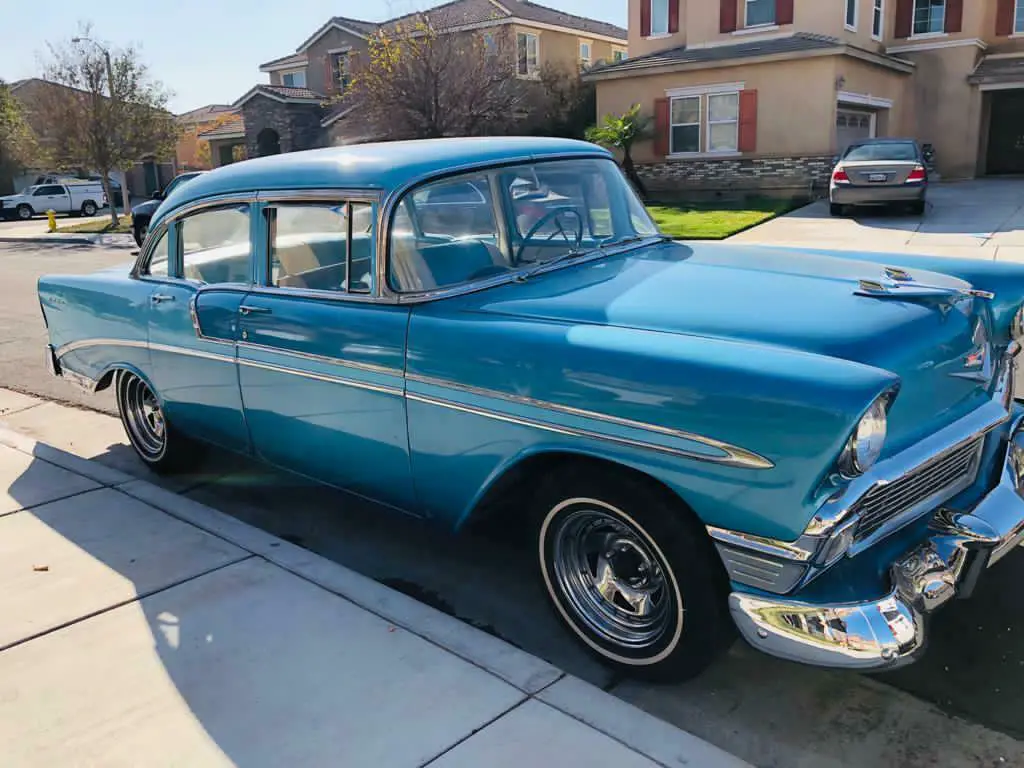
{"points": [[144, 418], [90, 210], [24, 213], [612, 578]]}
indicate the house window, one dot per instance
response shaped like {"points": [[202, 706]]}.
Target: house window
{"points": [[618, 55], [490, 44], [760, 12], [929, 16], [723, 122], [341, 71], [851, 14], [585, 54], [294, 79], [659, 17], [877, 18], [685, 128], [528, 46], [1018, 19]]}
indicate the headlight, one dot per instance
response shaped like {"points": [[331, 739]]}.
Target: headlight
{"points": [[865, 445], [1017, 325]]}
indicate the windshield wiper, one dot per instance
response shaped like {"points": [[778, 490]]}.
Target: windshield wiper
{"points": [[571, 254]]}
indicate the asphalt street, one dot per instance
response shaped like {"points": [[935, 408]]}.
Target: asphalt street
{"points": [[962, 705]]}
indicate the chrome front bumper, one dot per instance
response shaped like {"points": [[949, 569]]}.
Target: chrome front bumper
{"points": [[891, 631]]}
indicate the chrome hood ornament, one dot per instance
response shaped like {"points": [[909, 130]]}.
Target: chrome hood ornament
{"points": [[900, 284]]}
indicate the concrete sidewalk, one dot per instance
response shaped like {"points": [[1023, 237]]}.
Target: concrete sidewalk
{"points": [[142, 628]]}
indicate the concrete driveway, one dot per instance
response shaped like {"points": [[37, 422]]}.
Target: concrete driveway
{"points": [[980, 219]]}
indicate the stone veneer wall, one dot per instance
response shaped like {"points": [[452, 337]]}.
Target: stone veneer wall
{"points": [[804, 176], [297, 125]]}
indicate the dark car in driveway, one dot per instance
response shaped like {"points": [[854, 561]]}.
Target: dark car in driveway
{"points": [[143, 212], [879, 172]]}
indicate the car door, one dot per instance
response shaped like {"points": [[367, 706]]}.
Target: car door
{"points": [[200, 269], [320, 362], [50, 197]]}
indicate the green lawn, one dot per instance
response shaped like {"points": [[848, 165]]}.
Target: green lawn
{"points": [[124, 224], [714, 222]]}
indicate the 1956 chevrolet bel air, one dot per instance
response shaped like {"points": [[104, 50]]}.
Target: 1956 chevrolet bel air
{"points": [[814, 450]]}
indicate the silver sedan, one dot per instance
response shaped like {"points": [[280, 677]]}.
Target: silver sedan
{"points": [[879, 172]]}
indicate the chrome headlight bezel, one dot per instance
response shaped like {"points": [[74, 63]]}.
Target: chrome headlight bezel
{"points": [[865, 445]]}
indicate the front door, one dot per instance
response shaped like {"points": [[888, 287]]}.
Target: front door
{"points": [[1006, 133], [51, 197], [321, 368], [193, 323]]}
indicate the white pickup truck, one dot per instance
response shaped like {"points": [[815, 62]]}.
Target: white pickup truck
{"points": [[81, 199]]}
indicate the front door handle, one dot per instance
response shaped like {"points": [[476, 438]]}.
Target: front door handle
{"points": [[247, 310], [159, 298]]}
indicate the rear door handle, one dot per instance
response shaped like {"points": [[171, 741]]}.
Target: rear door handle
{"points": [[159, 298], [247, 310]]}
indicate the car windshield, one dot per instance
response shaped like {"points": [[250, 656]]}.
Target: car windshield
{"points": [[499, 220], [889, 150], [177, 181]]}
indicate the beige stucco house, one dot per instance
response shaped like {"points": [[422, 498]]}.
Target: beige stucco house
{"points": [[302, 105], [755, 94]]}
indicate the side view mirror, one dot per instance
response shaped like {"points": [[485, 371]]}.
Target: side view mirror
{"points": [[158, 195]]}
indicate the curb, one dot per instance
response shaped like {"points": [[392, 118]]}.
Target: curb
{"points": [[117, 240], [645, 734]]}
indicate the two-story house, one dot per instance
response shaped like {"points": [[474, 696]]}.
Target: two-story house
{"points": [[754, 94], [290, 112]]}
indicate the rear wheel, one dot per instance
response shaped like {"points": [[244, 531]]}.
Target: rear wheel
{"points": [[156, 442], [835, 209], [629, 574], [917, 208], [89, 208]]}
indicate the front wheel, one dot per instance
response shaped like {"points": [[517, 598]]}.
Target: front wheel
{"points": [[633, 578], [24, 212], [162, 448], [140, 227]]}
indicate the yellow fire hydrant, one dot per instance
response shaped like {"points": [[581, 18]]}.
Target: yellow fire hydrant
{"points": [[51, 220]]}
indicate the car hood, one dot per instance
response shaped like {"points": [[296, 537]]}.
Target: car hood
{"points": [[776, 297]]}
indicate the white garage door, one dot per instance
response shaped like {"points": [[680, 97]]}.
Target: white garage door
{"points": [[852, 126]]}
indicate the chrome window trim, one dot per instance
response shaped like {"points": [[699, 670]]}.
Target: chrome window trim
{"points": [[396, 195], [146, 253], [353, 364], [320, 195], [194, 314], [734, 455]]}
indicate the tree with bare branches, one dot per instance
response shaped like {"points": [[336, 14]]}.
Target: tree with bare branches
{"points": [[103, 119], [420, 82], [18, 145]]}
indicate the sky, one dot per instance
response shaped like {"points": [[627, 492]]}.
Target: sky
{"points": [[207, 51]]}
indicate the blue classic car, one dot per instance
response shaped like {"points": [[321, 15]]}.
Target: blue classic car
{"points": [[817, 451]]}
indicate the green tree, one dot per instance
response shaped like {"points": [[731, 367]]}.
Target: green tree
{"points": [[104, 118], [622, 132], [18, 145]]}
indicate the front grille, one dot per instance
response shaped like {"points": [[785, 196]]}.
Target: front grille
{"points": [[941, 478]]}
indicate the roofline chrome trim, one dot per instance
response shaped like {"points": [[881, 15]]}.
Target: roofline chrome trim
{"points": [[735, 456], [319, 194], [396, 391], [353, 364]]}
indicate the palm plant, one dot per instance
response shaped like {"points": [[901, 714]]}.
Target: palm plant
{"points": [[622, 132]]}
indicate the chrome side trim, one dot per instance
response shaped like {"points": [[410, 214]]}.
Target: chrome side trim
{"points": [[734, 455], [397, 391], [191, 352], [74, 346], [353, 364], [564, 430], [783, 550]]}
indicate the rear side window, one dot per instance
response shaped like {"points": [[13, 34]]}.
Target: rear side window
{"points": [[892, 151], [322, 246]]}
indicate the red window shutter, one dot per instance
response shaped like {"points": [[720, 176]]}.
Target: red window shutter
{"points": [[954, 15], [784, 11], [328, 74], [645, 18], [661, 127], [748, 121], [904, 18], [673, 16], [729, 18], [1004, 18]]}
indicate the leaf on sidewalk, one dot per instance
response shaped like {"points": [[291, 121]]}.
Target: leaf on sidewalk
{"points": [[40, 568]]}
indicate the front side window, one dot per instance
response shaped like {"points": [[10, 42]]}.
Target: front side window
{"points": [[527, 53], [929, 16], [723, 122], [484, 224], [760, 12], [1018, 19], [158, 257], [685, 128], [851, 14], [48, 190], [659, 17], [215, 245], [322, 246], [877, 18], [294, 79]]}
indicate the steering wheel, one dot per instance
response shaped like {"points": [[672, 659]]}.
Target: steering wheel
{"points": [[555, 215]]}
